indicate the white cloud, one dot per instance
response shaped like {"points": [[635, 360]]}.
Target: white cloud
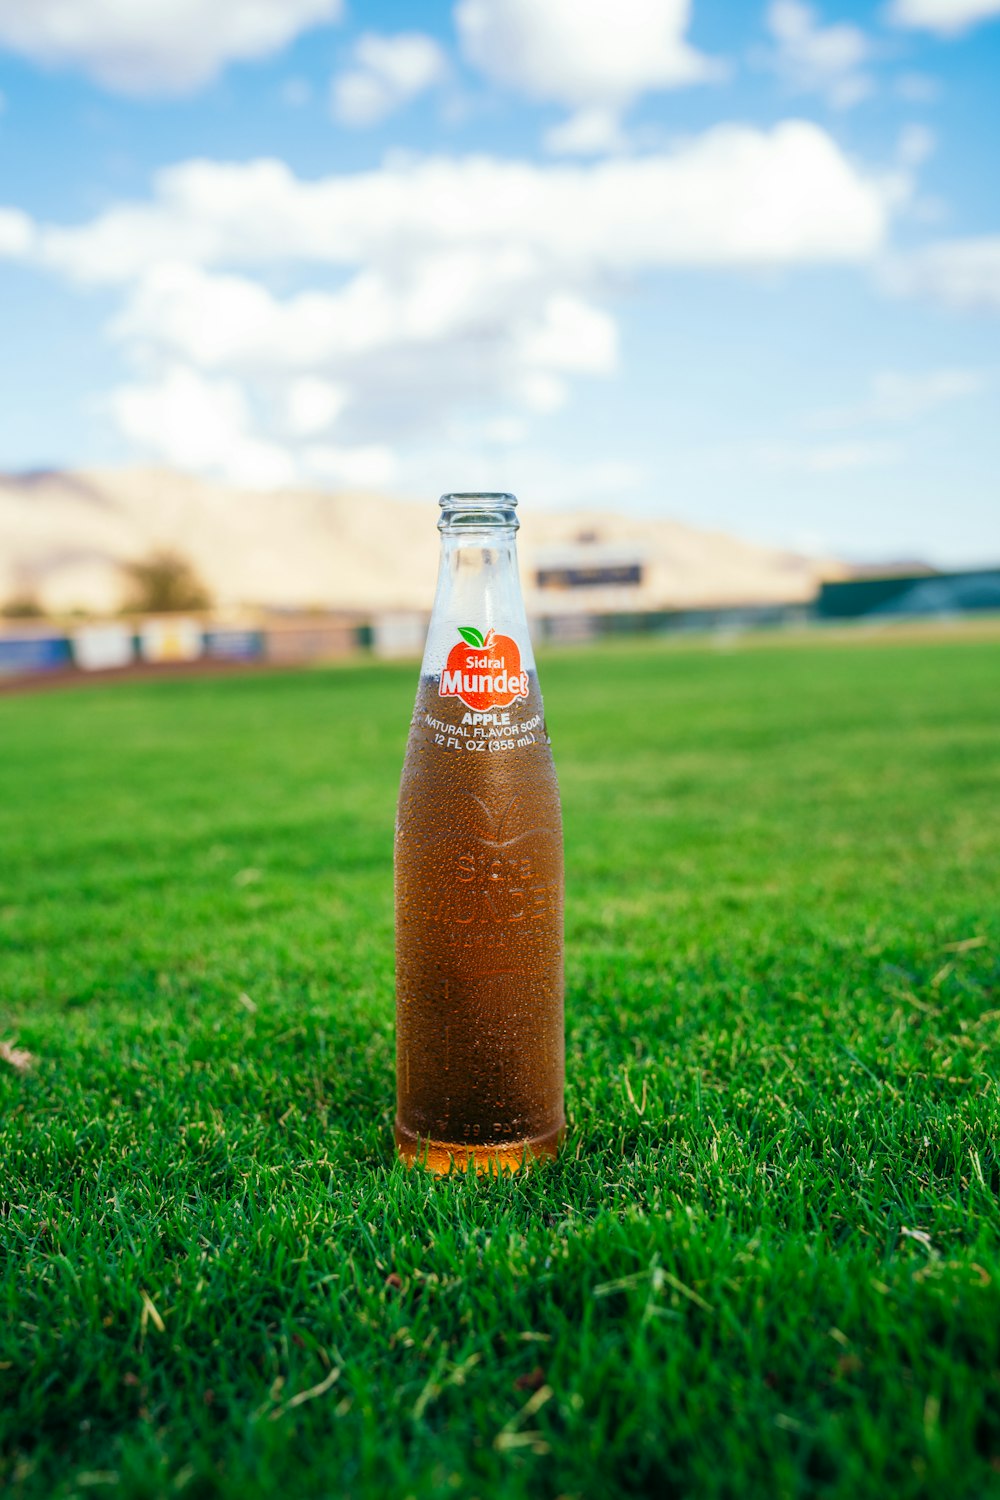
{"points": [[918, 88], [506, 432], [188, 421], [589, 132], [313, 405], [961, 273], [946, 17], [571, 336], [480, 456], [896, 397], [539, 391], [826, 458], [18, 237], [204, 425], [735, 195], [370, 467], [557, 483], [394, 349], [812, 58], [163, 47], [900, 397], [428, 290], [388, 72], [296, 93], [915, 144], [232, 322], [588, 54]]}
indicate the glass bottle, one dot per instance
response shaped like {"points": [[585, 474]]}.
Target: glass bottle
{"points": [[479, 872]]}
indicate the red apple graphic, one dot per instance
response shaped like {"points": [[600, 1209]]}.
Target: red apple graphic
{"points": [[484, 671]]}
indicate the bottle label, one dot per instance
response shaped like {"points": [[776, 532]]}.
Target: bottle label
{"points": [[484, 671]]}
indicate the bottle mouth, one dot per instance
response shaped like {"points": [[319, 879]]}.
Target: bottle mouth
{"points": [[476, 510]]}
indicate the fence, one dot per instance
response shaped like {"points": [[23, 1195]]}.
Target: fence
{"points": [[29, 650], [36, 650]]}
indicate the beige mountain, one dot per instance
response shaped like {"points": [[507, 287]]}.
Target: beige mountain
{"points": [[65, 536]]}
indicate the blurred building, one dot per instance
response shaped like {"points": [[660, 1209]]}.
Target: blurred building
{"points": [[589, 575]]}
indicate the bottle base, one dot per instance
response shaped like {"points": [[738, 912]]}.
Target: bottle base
{"points": [[442, 1157]]}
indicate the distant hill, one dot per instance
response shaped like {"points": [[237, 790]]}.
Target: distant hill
{"points": [[65, 537]]}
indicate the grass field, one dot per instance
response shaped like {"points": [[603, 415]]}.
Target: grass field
{"points": [[768, 1262]]}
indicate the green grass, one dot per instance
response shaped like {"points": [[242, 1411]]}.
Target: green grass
{"points": [[768, 1261]]}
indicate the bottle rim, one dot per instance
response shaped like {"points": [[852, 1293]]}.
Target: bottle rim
{"points": [[479, 499], [469, 511]]}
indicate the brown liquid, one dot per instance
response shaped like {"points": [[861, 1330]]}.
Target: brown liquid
{"points": [[479, 940]]}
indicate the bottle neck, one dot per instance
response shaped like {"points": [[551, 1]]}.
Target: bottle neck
{"points": [[478, 587]]}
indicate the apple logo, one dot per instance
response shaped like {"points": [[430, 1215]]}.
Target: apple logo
{"points": [[484, 671]]}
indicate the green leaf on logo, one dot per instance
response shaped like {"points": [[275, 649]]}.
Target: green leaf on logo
{"points": [[471, 636]]}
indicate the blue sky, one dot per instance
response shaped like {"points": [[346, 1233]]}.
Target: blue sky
{"points": [[734, 263]]}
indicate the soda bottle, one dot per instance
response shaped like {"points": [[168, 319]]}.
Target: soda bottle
{"points": [[479, 872]]}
